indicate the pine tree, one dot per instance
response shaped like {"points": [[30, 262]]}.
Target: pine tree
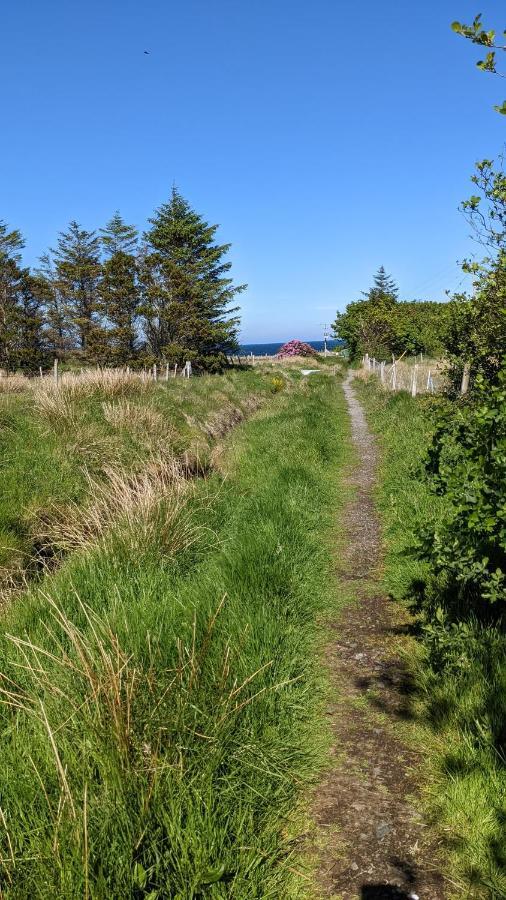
{"points": [[384, 290], [57, 327], [30, 349], [78, 270], [11, 276], [21, 339], [119, 289], [186, 289]]}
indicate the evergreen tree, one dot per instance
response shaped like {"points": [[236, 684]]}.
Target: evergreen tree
{"points": [[384, 290], [11, 278], [30, 348], [78, 270], [186, 289], [21, 339], [367, 325], [57, 327], [119, 289]]}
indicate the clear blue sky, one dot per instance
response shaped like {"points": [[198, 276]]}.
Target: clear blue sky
{"points": [[327, 138]]}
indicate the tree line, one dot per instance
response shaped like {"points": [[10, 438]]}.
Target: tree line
{"points": [[381, 325], [109, 297]]}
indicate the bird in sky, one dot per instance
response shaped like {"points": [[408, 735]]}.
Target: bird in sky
{"points": [[146, 52]]}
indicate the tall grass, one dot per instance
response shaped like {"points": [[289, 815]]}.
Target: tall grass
{"points": [[461, 666], [59, 443], [162, 700]]}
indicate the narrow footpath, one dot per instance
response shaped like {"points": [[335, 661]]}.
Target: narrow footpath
{"points": [[371, 838]]}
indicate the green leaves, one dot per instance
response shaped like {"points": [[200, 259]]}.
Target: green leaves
{"points": [[478, 35]]}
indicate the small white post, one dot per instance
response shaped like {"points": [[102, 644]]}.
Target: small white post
{"points": [[413, 380], [155, 372], [40, 371], [382, 372], [175, 370], [55, 371], [167, 372], [394, 377]]}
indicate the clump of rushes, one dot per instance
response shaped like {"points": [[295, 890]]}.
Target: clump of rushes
{"points": [[162, 705]]}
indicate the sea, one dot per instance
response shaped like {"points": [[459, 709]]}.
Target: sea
{"points": [[272, 349]]}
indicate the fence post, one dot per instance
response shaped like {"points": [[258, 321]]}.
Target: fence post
{"points": [[394, 377], [382, 372], [55, 371], [40, 371], [155, 372], [413, 380], [464, 387]]}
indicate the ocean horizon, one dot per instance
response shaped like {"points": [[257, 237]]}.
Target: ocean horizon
{"points": [[270, 349]]}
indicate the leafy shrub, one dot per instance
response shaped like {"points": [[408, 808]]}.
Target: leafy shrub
{"points": [[467, 462], [277, 384]]}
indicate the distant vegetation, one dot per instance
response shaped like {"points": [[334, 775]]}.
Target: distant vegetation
{"points": [[380, 325], [105, 297], [296, 348]]}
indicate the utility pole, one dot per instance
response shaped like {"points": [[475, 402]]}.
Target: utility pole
{"points": [[326, 335]]}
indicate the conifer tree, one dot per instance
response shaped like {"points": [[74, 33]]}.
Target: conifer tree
{"points": [[11, 276], [384, 289], [21, 340], [78, 270], [119, 289], [30, 349], [186, 289], [57, 327]]}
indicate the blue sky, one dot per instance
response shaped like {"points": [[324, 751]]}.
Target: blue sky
{"points": [[327, 138]]}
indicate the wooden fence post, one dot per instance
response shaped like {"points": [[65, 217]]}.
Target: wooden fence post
{"points": [[155, 372], [55, 371], [167, 372]]}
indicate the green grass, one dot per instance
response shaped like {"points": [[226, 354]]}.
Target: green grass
{"points": [[460, 667], [163, 697], [50, 446]]}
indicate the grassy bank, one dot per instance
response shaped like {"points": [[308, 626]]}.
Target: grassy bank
{"points": [[60, 446], [161, 694], [460, 672]]}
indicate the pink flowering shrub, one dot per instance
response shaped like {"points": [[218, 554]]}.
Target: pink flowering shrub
{"points": [[296, 348]]}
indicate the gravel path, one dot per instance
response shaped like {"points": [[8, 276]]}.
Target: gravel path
{"points": [[371, 839]]}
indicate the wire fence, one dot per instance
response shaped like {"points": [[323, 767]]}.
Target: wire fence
{"points": [[415, 375]]}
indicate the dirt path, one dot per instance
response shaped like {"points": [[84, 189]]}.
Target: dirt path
{"points": [[372, 840]]}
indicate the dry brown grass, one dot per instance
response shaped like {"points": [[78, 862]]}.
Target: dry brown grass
{"points": [[13, 384], [141, 503], [429, 375]]}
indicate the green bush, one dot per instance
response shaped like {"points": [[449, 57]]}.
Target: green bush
{"points": [[467, 464]]}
